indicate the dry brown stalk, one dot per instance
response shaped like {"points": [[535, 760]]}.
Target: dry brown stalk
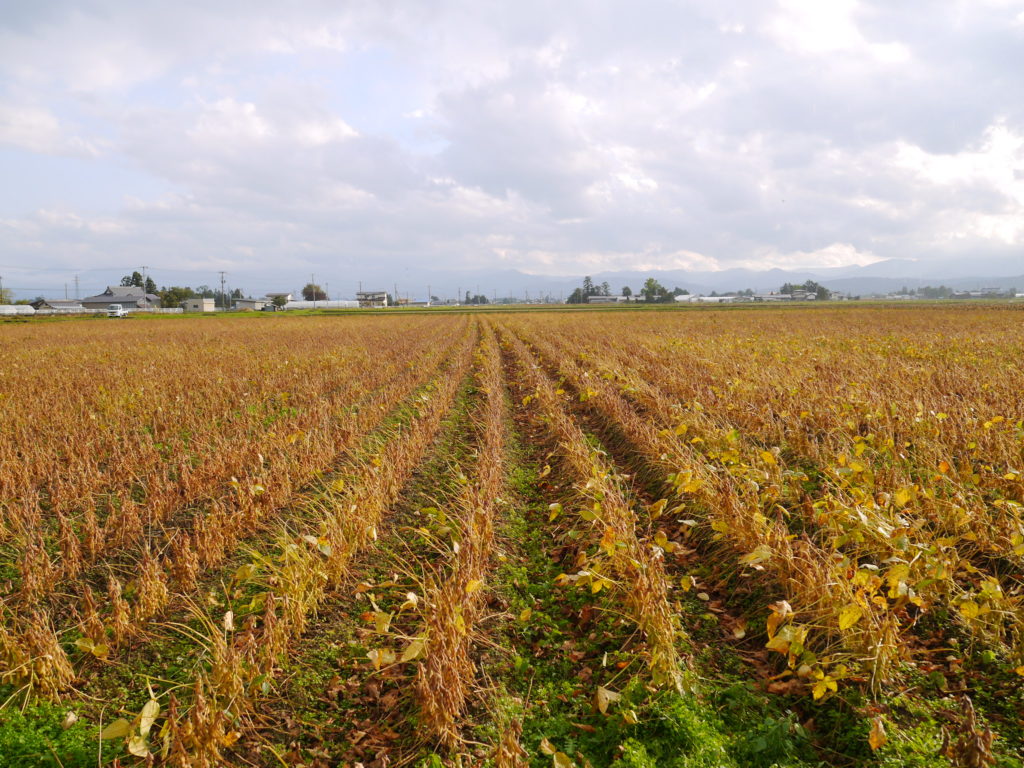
{"points": [[638, 567], [445, 676]]}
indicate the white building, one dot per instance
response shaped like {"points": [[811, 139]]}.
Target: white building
{"points": [[198, 305]]}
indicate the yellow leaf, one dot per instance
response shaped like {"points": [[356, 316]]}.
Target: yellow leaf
{"points": [[525, 614], [546, 471], [230, 738], [117, 729], [382, 621], [381, 657], [849, 616], [554, 510], [969, 609], [411, 601], [561, 760], [944, 467], [608, 541], [547, 747], [877, 737], [603, 697], [245, 572], [904, 496], [150, 712], [473, 585], [137, 745], [769, 458], [413, 650]]}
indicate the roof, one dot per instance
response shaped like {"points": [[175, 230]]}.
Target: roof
{"points": [[121, 294], [58, 303]]}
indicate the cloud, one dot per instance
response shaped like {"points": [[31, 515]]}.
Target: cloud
{"points": [[550, 139]]}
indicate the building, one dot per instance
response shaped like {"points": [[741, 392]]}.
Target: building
{"points": [[691, 299], [128, 296], [607, 299], [322, 304], [254, 305], [199, 305], [372, 298], [58, 305], [271, 296]]}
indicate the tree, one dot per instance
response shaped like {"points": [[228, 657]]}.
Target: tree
{"points": [[279, 301], [819, 291], [654, 291], [627, 292], [606, 289], [150, 285], [313, 292], [588, 287], [173, 296], [6, 296], [576, 297], [134, 279]]}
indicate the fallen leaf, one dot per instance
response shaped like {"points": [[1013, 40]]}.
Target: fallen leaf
{"points": [[877, 737], [603, 697]]}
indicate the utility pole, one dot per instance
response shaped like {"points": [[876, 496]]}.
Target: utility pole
{"points": [[76, 288], [395, 294], [65, 291], [1, 288], [312, 287], [224, 297], [458, 295], [428, 295]]}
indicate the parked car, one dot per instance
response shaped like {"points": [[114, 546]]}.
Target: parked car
{"points": [[116, 310], [270, 308]]}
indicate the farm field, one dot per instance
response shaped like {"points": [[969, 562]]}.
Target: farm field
{"points": [[621, 538]]}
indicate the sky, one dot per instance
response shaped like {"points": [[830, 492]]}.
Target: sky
{"points": [[277, 140]]}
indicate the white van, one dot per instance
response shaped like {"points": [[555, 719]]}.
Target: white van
{"points": [[116, 310]]}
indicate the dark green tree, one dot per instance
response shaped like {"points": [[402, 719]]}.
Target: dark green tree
{"points": [[134, 279], [313, 292], [653, 291], [173, 296]]}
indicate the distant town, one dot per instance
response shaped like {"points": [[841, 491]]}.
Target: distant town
{"points": [[139, 293]]}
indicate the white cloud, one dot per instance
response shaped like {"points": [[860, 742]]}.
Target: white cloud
{"points": [[552, 139], [832, 255], [38, 130]]}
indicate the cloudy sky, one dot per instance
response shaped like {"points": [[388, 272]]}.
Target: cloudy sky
{"points": [[265, 138]]}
